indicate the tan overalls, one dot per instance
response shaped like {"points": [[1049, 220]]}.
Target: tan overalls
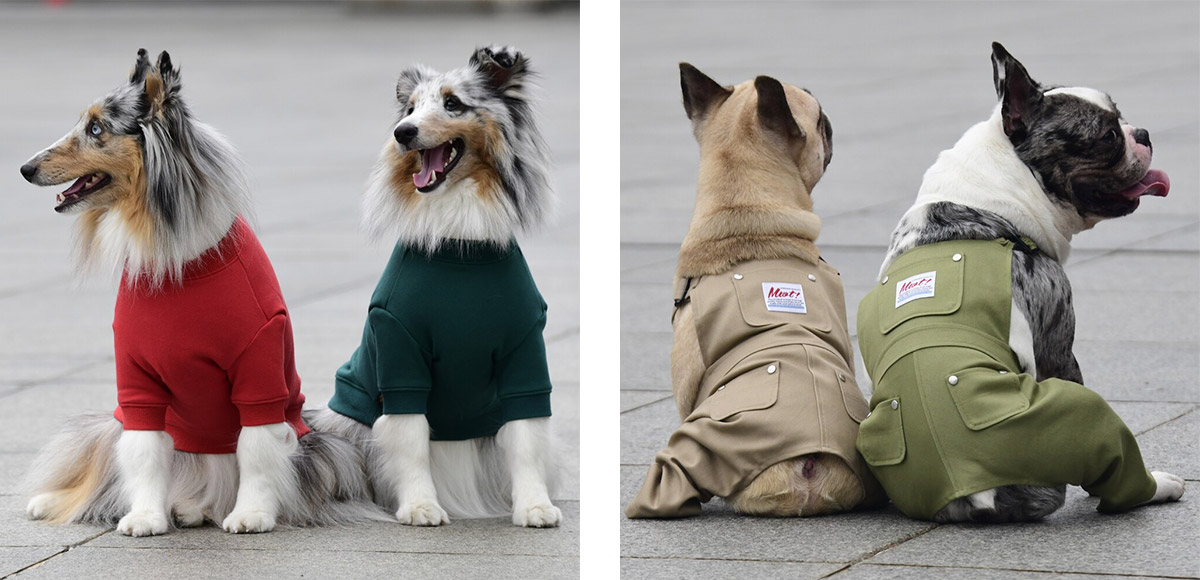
{"points": [[779, 384]]}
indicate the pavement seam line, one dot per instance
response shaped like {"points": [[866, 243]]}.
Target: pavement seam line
{"points": [[654, 402], [882, 549], [1171, 420], [64, 550], [1028, 570]]}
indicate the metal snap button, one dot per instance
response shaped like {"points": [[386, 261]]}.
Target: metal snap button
{"points": [[953, 380], [737, 276], [721, 388], [885, 279], [895, 404], [811, 277], [771, 370], [1004, 372], [841, 377], [956, 257], [868, 415]]}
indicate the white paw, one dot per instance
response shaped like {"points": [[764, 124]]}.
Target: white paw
{"points": [[188, 515], [145, 523], [1170, 487], [249, 522], [422, 514], [537, 516], [40, 506]]}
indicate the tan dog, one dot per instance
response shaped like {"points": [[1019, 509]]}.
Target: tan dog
{"points": [[762, 366]]}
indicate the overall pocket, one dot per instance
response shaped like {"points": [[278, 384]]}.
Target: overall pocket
{"points": [[881, 435], [752, 390], [986, 396]]}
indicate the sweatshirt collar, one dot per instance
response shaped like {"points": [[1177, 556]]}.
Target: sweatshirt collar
{"points": [[224, 253], [466, 251]]}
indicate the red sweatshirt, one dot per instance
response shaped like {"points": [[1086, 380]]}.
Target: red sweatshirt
{"points": [[203, 358]]}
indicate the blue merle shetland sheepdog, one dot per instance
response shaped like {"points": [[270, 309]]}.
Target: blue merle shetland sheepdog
{"points": [[464, 166], [156, 191]]}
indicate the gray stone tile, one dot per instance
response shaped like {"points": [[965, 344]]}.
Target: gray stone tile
{"points": [[680, 569], [1153, 540], [19, 532], [1132, 370], [928, 572], [13, 559], [1174, 448], [480, 537], [106, 563], [1142, 275], [33, 415], [645, 431], [721, 534], [646, 360], [1162, 317]]}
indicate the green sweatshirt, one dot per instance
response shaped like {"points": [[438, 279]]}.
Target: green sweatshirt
{"points": [[952, 413], [457, 336]]}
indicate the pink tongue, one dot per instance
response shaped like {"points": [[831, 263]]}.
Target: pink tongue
{"points": [[1155, 182], [431, 160], [77, 186]]}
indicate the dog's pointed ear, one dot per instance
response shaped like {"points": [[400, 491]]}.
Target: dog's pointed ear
{"points": [[773, 110], [1019, 94], [160, 85], [140, 67], [504, 66], [408, 81], [700, 93]]}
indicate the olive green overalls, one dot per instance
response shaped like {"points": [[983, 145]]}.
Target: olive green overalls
{"points": [[778, 384], [952, 413]]}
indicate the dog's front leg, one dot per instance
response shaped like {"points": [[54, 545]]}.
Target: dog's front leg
{"points": [[144, 461], [266, 477], [526, 446], [403, 441]]}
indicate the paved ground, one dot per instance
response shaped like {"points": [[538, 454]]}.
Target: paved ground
{"points": [[901, 81], [306, 93]]}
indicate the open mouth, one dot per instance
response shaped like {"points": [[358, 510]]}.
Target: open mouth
{"points": [[83, 187], [436, 163], [1155, 182]]}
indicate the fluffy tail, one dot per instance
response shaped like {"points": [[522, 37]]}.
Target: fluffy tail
{"points": [[334, 489], [471, 477], [74, 478]]}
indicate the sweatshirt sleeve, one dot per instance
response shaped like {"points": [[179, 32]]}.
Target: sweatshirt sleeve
{"points": [[259, 376], [141, 396], [524, 377], [401, 366]]}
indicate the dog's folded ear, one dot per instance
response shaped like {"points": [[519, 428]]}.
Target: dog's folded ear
{"points": [[700, 93], [1019, 94], [773, 110], [504, 66]]}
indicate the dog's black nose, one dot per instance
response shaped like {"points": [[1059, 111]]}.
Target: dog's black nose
{"points": [[1142, 136], [405, 134], [28, 171]]}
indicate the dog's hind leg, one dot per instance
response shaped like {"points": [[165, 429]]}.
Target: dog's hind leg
{"points": [[687, 362], [1009, 503], [144, 461], [526, 446], [267, 478], [403, 444]]}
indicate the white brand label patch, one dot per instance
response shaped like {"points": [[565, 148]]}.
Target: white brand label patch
{"points": [[915, 287], [784, 297]]}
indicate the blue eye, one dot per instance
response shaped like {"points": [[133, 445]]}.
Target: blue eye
{"points": [[95, 130], [452, 103]]}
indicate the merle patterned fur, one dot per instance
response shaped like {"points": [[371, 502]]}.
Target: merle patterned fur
{"points": [[1042, 293]]}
